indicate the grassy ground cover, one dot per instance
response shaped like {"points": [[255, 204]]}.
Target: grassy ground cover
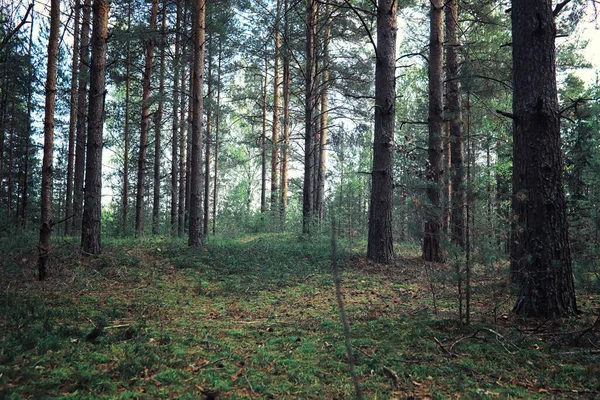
{"points": [[257, 317]]}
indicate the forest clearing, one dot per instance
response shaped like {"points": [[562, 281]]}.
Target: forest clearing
{"points": [[257, 318]]}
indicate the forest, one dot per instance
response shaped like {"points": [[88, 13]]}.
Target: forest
{"points": [[316, 199]]}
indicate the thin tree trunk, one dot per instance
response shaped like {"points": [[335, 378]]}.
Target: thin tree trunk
{"points": [[127, 125], [145, 124], [447, 195], [188, 161], [10, 161], [176, 122], [80, 141], [92, 209], [275, 132], [380, 244], [432, 250], [195, 229], [286, 114], [216, 167], [46, 194], [72, 118], [263, 143], [540, 252], [158, 123], [208, 107], [183, 172], [322, 168], [25, 193]]}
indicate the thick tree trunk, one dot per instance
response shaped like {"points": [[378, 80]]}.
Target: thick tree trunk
{"points": [[46, 195], [308, 206], [540, 253], [72, 118], [80, 140], [158, 123], [432, 250], [380, 244], [176, 122], [195, 228], [90, 239], [145, 124], [454, 109]]}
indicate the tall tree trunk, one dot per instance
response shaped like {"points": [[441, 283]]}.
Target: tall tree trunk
{"points": [[263, 143], [209, 111], [195, 229], [127, 125], [72, 118], [432, 250], [176, 122], [380, 244], [9, 175], [145, 124], [92, 209], [322, 167], [286, 113], [540, 253], [454, 108], [275, 132], [46, 195], [25, 188], [308, 206], [158, 123], [216, 167], [80, 140], [183, 172], [188, 161]]}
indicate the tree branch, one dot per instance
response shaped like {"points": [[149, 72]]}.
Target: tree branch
{"points": [[11, 33]]}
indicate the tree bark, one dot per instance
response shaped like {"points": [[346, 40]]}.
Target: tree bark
{"points": [[209, 112], [432, 250], [275, 131], [91, 225], [80, 140], [72, 118], [380, 242], [322, 168], [454, 109], [46, 194], [263, 143], [175, 126], [158, 123], [127, 124], [195, 228], [308, 206], [286, 113], [25, 190], [540, 253], [216, 167]]}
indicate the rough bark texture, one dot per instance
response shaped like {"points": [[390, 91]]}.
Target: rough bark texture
{"points": [[46, 194], [90, 234], [158, 123], [322, 168], [308, 207], [432, 250], [175, 126], [79, 176], [454, 109], [145, 124], [72, 118], [380, 244], [540, 254], [195, 227]]}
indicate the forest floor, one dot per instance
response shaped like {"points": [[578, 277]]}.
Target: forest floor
{"points": [[257, 317]]}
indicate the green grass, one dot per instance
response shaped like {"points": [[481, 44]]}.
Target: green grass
{"points": [[257, 317]]}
